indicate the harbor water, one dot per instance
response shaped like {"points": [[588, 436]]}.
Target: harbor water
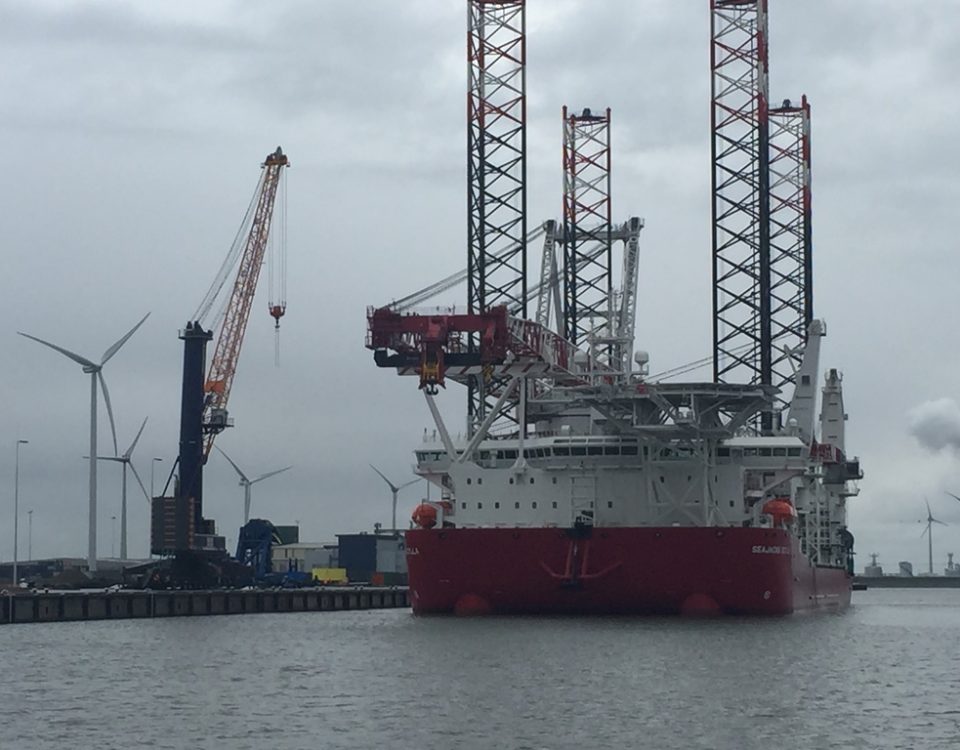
{"points": [[883, 674]]}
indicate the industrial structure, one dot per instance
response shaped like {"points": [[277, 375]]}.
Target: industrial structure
{"points": [[179, 528], [576, 464], [762, 231], [496, 173]]}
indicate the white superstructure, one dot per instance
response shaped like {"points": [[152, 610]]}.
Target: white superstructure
{"points": [[639, 454]]}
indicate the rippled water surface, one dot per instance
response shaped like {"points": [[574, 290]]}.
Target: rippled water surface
{"points": [[882, 675]]}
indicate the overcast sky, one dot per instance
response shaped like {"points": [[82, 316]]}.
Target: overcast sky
{"points": [[133, 135]]}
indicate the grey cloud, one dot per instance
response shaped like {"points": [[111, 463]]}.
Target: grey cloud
{"points": [[936, 424]]}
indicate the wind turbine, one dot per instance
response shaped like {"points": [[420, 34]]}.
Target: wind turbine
{"points": [[953, 496], [394, 489], [125, 460], [96, 373], [247, 483], [929, 532]]}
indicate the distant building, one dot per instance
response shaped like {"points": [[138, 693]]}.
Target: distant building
{"points": [[380, 559], [303, 556], [873, 570], [952, 569], [288, 534], [906, 569]]}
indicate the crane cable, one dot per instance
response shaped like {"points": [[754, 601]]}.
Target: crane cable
{"points": [[438, 287], [229, 263], [691, 366], [277, 266]]}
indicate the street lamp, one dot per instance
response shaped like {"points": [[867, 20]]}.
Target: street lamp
{"points": [[152, 464], [30, 535], [16, 510], [113, 534]]}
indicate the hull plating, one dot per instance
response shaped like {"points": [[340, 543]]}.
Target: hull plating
{"points": [[669, 570]]}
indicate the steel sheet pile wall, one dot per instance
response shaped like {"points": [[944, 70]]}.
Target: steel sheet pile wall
{"points": [[119, 605]]}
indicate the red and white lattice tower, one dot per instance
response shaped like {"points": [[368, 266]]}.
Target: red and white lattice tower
{"points": [[587, 241], [496, 167], [791, 257], [742, 345]]}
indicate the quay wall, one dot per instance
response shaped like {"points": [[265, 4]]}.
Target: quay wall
{"points": [[908, 582], [61, 606]]}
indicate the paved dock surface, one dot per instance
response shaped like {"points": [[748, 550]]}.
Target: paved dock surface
{"points": [[59, 606]]}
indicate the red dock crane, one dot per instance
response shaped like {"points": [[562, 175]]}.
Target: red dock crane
{"points": [[223, 367], [178, 524]]}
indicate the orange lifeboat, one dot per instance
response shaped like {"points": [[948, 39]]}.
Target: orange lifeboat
{"points": [[781, 510], [425, 516]]}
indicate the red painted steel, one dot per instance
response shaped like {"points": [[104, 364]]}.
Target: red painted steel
{"points": [[669, 570]]}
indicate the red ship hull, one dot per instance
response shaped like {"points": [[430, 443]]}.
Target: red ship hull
{"points": [[669, 570]]}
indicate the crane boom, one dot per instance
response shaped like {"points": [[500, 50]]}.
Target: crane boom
{"points": [[223, 367]]}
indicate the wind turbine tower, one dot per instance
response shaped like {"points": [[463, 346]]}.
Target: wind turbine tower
{"points": [[96, 373], [394, 489], [248, 483], [929, 532], [125, 460]]}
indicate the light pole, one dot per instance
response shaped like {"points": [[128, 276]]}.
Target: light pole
{"points": [[152, 464], [30, 535], [16, 510], [113, 534]]}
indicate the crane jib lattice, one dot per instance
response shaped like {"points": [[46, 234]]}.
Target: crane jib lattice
{"points": [[223, 366]]}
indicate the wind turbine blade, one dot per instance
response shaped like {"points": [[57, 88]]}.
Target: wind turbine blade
{"points": [[384, 478], [269, 474], [106, 400], [134, 443], [116, 347], [929, 512], [407, 484], [925, 530], [237, 468], [953, 496], [66, 352], [119, 459], [140, 482], [934, 520]]}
